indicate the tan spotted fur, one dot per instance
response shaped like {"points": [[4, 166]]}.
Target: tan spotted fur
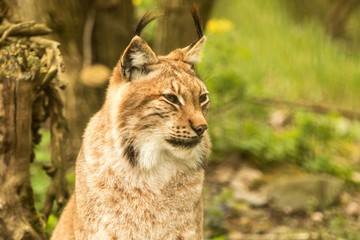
{"points": [[140, 171]]}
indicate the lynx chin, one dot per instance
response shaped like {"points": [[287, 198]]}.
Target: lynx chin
{"points": [[140, 170]]}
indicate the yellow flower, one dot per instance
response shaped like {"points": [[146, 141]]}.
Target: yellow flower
{"points": [[136, 2], [219, 25]]}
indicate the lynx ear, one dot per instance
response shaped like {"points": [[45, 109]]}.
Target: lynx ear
{"points": [[193, 52], [137, 56]]}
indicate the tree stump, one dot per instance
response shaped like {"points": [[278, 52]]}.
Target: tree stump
{"points": [[29, 94]]}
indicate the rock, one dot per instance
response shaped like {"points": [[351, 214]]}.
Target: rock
{"points": [[223, 174], [246, 177], [352, 209], [242, 183], [302, 193], [235, 235], [317, 217], [279, 118], [355, 177], [345, 198], [281, 230]]}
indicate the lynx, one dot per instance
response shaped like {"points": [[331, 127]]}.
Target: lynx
{"points": [[140, 170]]}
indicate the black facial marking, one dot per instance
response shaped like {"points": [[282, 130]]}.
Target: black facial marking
{"points": [[130, 152], [144, 126], [162, 115], [155, 114]]}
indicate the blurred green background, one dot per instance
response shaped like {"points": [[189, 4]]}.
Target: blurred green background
{"points": [[284, 88], [258, 49]]}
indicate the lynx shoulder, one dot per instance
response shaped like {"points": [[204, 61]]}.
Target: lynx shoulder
{"points": [[140, 171]]}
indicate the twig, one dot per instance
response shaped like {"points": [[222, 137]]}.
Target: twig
{"points": [[226, 106], [23, 29], [87, 36], [317, 108]]}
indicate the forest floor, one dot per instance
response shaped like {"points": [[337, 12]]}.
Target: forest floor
{"points": [[280, 202]]}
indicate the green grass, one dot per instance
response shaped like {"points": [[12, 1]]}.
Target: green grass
{"points": [[280, 58]]}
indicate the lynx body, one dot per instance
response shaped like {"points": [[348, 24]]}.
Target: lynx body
{"points": [[140, 171]]}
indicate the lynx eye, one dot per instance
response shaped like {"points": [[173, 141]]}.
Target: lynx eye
{"points": [[203, 98], [172, 98]]}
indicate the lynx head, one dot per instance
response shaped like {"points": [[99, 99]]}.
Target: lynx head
{"points": [[159, 105]]}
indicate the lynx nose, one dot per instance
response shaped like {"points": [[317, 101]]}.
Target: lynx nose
{"points": [[198, 123], [200, 129]]}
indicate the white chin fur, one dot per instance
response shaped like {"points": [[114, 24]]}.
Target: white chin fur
{"points": [[157, 153]]}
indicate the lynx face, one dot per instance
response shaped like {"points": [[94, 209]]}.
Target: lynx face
{"points": [[160, 106], [164, 111]]}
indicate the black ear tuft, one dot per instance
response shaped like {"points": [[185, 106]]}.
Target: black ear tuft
{"points": [[193, 51], [145, 20], [197, 21]]}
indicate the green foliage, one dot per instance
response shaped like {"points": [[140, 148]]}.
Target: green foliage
{"points": [[340, 227], [51, 223], [312, 141], [39, 179]]}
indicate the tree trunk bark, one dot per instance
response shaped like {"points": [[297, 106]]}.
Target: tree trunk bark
{"points": [[90, 31], [176, 29], [17, 212], [16, 197], [18, 91]]}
